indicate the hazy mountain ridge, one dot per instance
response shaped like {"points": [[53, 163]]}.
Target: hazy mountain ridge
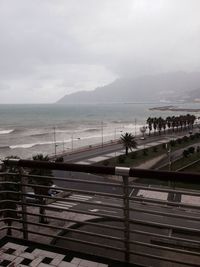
{"points": [[167, 86]]}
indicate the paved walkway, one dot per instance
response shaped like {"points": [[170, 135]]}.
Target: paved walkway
{"points": [[15, 255]]}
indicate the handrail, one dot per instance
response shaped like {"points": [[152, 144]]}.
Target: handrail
{"points": [[188, 177], [120, 218]]}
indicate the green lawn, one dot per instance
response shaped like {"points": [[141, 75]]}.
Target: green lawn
{"points": [[183, 162], [135, 158], [139, 157]]}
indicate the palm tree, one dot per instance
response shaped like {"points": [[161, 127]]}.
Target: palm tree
{"points": [[43, 182], [128, 140], [150, 122], [155, 124]]}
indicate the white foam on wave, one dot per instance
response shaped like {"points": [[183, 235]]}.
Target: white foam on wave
{"points": [[30, 145], [6, 131]]}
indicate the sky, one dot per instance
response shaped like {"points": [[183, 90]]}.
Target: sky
{"points": [[49, 48]]}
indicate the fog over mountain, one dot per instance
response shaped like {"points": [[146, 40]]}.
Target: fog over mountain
{"points": [[52, 48], [150, 88]]}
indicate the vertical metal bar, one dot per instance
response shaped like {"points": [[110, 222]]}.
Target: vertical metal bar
{"points": [[24, 207], [126, 218]]}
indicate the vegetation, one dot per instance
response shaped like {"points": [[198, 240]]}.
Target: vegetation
{"points": [[128, 141], [174, 123], [137, 157], [134, 158], [43, 182]]}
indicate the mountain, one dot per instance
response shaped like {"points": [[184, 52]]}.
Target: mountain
{"points": [[150, 88]]}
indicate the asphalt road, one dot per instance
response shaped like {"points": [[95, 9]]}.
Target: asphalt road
{"points": [[144, 216]]}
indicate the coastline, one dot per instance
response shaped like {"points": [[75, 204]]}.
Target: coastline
{"points": [[173, 108]]}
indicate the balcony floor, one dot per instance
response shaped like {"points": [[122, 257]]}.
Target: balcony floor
{"points": [[19, 253]]}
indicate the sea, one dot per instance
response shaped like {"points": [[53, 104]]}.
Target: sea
{"points": [[29, 129]]}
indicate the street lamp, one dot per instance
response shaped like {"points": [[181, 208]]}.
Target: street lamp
{"points": [[102, 134], [55, 145], [115, 137], [135, 126], [169, 155], [72, 137], [143, 130]]}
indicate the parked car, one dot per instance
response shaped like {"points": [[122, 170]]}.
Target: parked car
{"points": [[31, 198], [53, 190]]}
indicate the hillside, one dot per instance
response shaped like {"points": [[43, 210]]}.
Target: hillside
{"points": [[167, 86]]}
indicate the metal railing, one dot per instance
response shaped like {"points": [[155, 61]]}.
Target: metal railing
{"points": [[103, 216]]}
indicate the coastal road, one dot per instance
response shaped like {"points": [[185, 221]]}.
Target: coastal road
{"points": [[111, 148]]}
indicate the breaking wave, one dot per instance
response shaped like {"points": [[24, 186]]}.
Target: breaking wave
{"points": [[6, 131]]}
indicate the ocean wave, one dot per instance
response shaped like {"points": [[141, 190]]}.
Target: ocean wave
{"points": [[92, 130], [119, 121], [4, 147], [30, 145], [40, 134], [6, 131]]}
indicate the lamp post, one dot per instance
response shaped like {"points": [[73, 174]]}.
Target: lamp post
{"points": [[55, 145], [102, 134], [135, 126], [143, 130], [72, 140], [63, 146], [169, 160], [169, 155], [115, 137]]}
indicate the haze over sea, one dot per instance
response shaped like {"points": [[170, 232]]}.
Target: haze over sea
{"points": [[26, 130]]}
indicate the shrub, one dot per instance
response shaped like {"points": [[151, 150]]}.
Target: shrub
{"points": [[185, 153], [155, 149], [59, 159], [145, 152], [185, 139], [179, 141], [134, 155], [164, 145], [191, 149], [106, 162], [192, 137], [197, 135], [121, 159], [172, 143]]}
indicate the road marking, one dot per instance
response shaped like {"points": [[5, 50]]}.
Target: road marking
{"points": [[97, 210], [80, 197], [94, 210], [110, 211], [65, 205], [58, 207], [131, 192]]}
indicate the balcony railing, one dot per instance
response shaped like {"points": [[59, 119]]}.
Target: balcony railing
{"points": [[112, 217]]}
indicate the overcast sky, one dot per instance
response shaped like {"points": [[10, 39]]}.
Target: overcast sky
{"points": [[49, 48]]}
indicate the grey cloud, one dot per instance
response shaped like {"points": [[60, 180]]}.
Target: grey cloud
{"points": [[75, 44]]}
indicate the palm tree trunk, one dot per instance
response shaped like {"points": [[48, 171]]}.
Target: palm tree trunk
{"points": [[42, 218], [9, 231]]}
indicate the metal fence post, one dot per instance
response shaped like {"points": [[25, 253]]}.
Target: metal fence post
{"points": [[124, 172], [126, 218], [24, 207]]}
